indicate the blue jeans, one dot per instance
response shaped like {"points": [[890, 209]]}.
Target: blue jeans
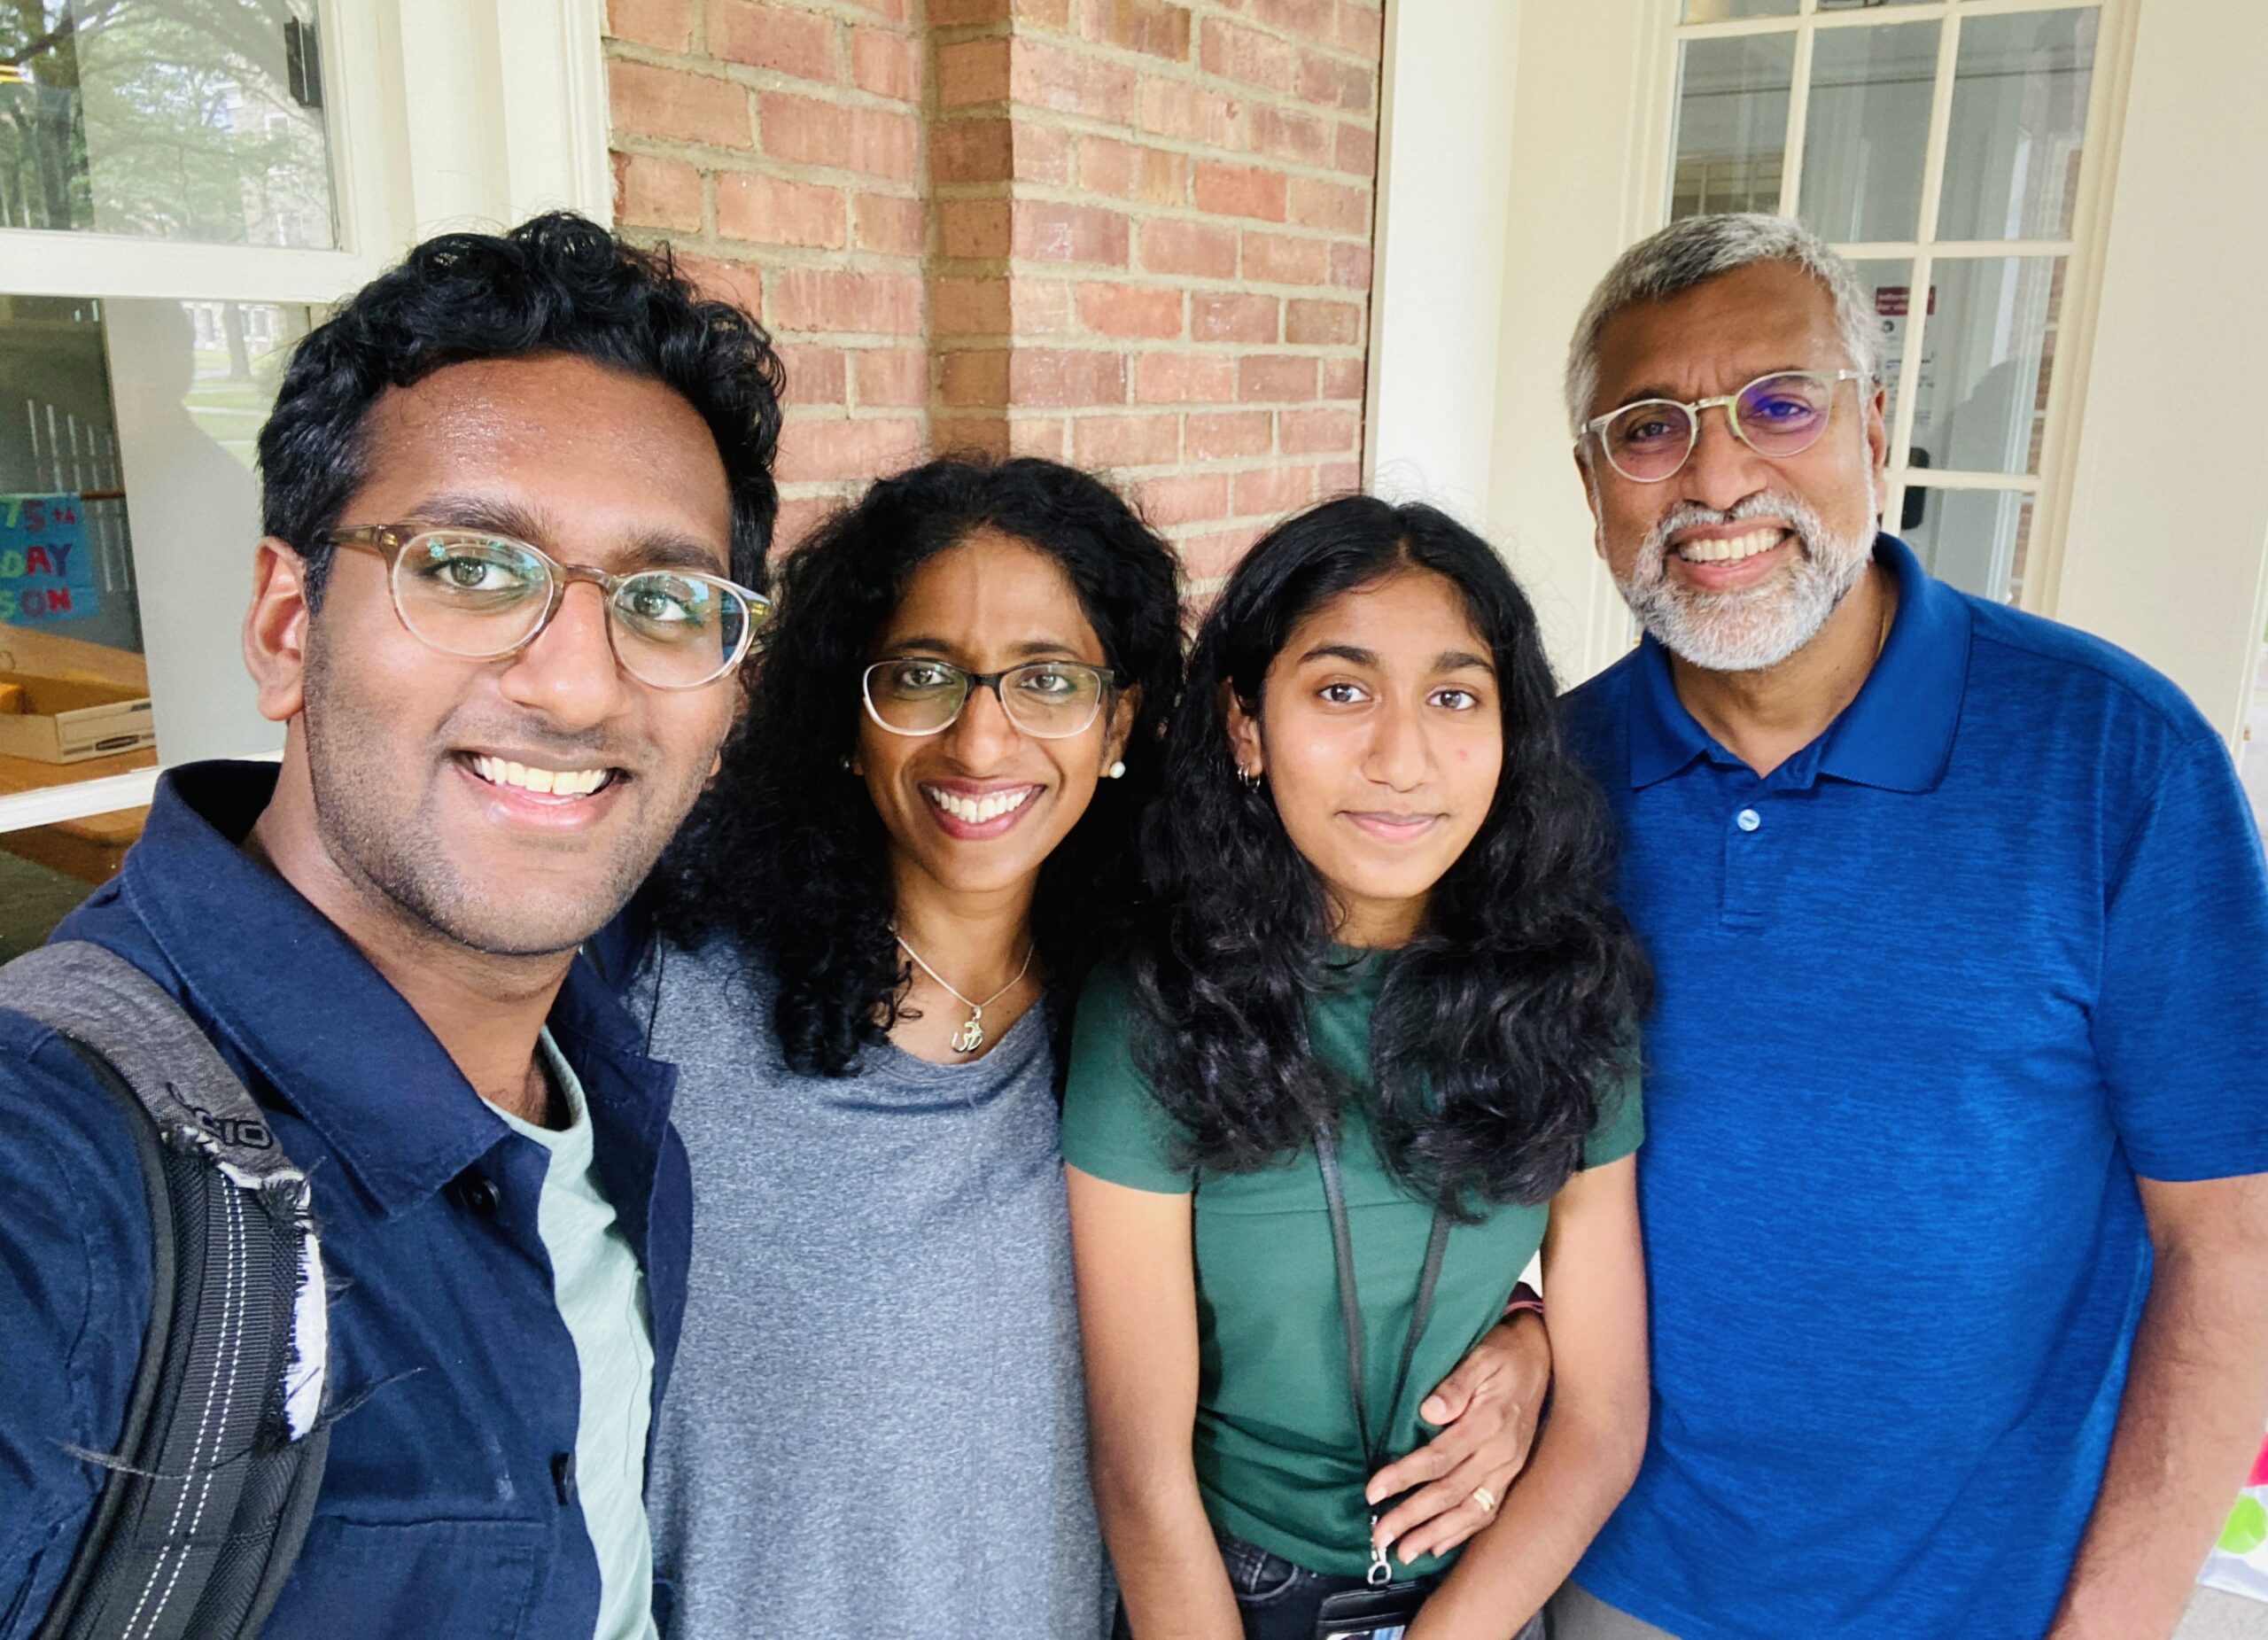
{"points": [[1278, 1600]]}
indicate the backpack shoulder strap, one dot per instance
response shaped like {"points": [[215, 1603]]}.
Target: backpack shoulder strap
{"points": [[215, 1479]]}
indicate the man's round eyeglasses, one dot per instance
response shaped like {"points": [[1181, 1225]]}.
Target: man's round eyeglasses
{"points": [[480, 595], [1776, 416], [1048, 700]]}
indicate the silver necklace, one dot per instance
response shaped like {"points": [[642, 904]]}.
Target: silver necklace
{"points": [[970, 1036]]}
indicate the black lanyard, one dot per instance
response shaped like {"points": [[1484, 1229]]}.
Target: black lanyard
{"points": [[1350, 1318]]}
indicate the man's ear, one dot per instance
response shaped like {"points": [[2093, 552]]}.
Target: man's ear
{"points": [[1244, 733], [1590, 496], [1878, 448], [275, 629]]}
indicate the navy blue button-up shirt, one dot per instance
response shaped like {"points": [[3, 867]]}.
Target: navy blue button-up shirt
{"points": [[453, 1379]]}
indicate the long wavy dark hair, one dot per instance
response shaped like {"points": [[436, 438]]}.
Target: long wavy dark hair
{"points": [[1499, 1023], [785, 853]]}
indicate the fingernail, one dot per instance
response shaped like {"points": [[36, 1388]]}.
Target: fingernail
{"points": [[1431, 1410], [1369, 1494]]}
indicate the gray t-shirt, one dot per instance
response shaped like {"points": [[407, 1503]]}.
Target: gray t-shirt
{"points": [[876, 1427]]}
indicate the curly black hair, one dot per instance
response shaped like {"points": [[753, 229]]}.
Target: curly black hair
{"points": [[1517, 1002], [785, 853], [558, 283]]}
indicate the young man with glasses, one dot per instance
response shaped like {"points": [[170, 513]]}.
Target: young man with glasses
{"points": [[516, 493], [1955, 1199]]}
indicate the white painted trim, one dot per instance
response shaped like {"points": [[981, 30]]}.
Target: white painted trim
{"points": [[1869, 17], [1437, 293], [552, 66], [51, 805], [2075, 325], [1944, 478], [1949, 249]]}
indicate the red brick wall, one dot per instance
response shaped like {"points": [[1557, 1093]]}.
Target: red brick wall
{"points": [[1134, 234]]}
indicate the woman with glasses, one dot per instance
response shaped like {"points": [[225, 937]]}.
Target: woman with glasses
{"points": [[921, 833], [919, 828], [1372, 1048]]}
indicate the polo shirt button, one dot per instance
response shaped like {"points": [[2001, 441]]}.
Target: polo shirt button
{"points": [[476, 1195], [563, 1477], [1748, 820]]}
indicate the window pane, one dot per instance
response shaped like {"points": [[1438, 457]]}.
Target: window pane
{"points": [[1724, 11], [166, 119], [126, 524], [1990, 352], [2019, 113], [1889, 288], [1867, 130], [1732, 123], [1975, 539]]}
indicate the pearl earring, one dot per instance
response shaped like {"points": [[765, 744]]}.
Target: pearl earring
{"points": [[1116, 770]]}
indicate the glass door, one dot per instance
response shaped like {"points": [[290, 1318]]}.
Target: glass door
{"points": [[1942, 146]]}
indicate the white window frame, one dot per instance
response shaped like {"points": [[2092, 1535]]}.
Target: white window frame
{"points": [[2050, 488], [511, 119]]}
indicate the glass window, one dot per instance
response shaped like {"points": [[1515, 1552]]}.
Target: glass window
{"points": [[1990, 350], [1866, 130], [1975, 539], [1732, 123], [1889, 286], [2019, 114], [195, 119], [127, 489], [1725, 11]]}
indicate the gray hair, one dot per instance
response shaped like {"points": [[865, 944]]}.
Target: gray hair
{"points": [[1701, 248]]}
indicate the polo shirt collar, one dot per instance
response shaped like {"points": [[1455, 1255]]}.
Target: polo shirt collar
{"points": [[291, 991], [1897, 734]]}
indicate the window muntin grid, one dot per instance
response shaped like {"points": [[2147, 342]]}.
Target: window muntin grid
{"points": [[1990, 232]]}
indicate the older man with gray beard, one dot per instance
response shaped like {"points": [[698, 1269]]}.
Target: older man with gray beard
{"points": [[1956, 1192]]}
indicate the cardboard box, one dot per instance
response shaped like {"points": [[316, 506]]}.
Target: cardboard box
{"points": [[66, 721]]}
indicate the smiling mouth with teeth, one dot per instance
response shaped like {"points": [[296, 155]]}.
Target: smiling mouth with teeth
{"points": [[1733, 549], [976, 810], [543, 783]]}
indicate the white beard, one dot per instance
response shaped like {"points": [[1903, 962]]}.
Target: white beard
{"points": [[1756, 626]]}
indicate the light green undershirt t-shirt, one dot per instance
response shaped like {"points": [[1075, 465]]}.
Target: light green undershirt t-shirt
{"points": [[601, 1291], [1278, 1458]]}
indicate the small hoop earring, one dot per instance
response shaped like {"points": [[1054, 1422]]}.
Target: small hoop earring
{"points": [[1251, 779], [1116, 770]]}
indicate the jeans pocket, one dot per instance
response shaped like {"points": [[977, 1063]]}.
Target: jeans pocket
{"points": [[1257, 1577]]}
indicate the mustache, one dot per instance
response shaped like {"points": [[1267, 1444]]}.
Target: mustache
{"points": [[1792, 510], [532, 737]]}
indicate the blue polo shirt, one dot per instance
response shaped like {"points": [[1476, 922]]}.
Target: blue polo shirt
{"points": [[1933, 994], [450, 1504]]}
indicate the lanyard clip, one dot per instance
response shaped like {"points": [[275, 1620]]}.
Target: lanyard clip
{"points": [[1380, 1574]]}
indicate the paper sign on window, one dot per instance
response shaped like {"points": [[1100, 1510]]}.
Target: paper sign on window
{"points": [[47, 570]]}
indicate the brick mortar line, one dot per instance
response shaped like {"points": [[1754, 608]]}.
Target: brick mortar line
{"points": [[1180, 148], [782, 170], [955, 33], [1151, 210], [754, 77]]}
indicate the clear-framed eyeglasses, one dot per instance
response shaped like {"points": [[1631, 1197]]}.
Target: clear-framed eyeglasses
{"points": [[1779, 415], [1048, 700], [480, 595]]}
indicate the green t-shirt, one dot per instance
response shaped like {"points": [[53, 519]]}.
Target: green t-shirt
{"points": [[1279, 1460]]}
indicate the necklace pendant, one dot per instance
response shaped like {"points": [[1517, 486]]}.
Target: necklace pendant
{"points": [[970, 1036]]}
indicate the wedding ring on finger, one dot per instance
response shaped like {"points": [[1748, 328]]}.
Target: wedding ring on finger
{"points": [[1487, 1499]]}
